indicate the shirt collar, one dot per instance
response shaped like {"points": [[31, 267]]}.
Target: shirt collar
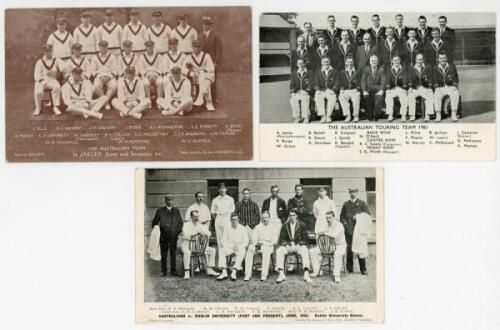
{"points": [[445, 68]]}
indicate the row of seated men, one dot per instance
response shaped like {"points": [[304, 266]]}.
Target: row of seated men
{"points": [[247, 231], [93, 82], [372, 86]]}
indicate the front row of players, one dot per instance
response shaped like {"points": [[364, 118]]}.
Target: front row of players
{"points": [[124, 83], [372, 86]]}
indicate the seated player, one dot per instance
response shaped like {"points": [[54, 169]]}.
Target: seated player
{"points": [[177, 98], [421, 83], [61, 40], [47, 69], [103, 67], [293, 239], [349, 85], [127, 58], [77, 60], [325, 96], [173, 57], [190, 229], [200, 68], [150, 67], [373, 86], [396, 86], [333, 229], [131, 99], [300, 87], [445, 84], [263, 239], [77, 95], [234, 241]]}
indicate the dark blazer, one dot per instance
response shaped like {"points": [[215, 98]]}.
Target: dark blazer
{"points": [[306, 56], [425, 78], [363, 58], [377, 39], [432, 52], [371, 82], [393, 79], [357, 39], [332, 39], [424, 38], [349, 210], [346, 82], [300, 238], [211, 45], [280, 205], [449, 37], [301, 207], [408, 54], [170, 222], [323, 81], [317, 57], [386, 54], [446, 78], [339, 55], [301, 82], [403, 37]]}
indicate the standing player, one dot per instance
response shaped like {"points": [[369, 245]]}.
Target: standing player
{"points": [[396, 86], [349, 84], [61, 41], [377, 32], [151, 67], [309, 36], [127, 58], [200, 68], [325, 96], [136, 32], [332, 33], [322, 51], [131, 100], [423, 31], [389, 48], [446, 84], [411, 48], [78, 61], [436, 47], [212, 45], [103, 67], [111, 32], [343, 49], [421, 84], [46, 71], [159, 32], [355, 33], [86, 35], [185, 34], [77, 95], [177, 100], [448, 36], [301, 52], [300, 87], [400, 30], [173, 58]]}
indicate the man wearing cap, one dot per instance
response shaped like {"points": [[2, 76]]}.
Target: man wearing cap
{"points": [[202, 209], [136, 32], [248, 212], [103, 67], [111, 32], [127, 58], [61, 41], [47, 69], [86, 35], [200, 69], [320, 207], [186, 34], [150, 66], [77, 95], [77, 60], [159, 32], [222, 208], [173, 57], [170, 221], [131, 99], [347, 217], [212, 45], [234, 241], [177, 100]]}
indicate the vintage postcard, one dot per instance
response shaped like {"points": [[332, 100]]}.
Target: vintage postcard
{"points": [[259, 245], [128, 84]]}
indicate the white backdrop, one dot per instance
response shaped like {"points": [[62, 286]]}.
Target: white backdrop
{"points": [[67, 234]]}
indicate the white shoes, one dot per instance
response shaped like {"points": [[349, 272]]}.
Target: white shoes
{"points": [[186, 274], [281, 277], [306, 277], [210, 106], [412, 118], [56, 110], [296, 120], [222, 276], [438, 117], [426, 119], [263, 278], [135, 115], [390, 118], [233, 275], [317, 274], [290, 268], [336, 279], [356, 119], [306, 120], [36, 112], [211, 272], [454, 117], [348, 118], [107, 106], [247, 278]]}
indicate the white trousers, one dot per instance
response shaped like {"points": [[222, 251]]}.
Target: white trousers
{"points": [[315, 254], [155, 80], [325, 101], [127, 106], [221, 222], [266, 251], [84, 107], [100, 85], [300, 105], [175, 106], [186, 255], [276, 224], [50, 84], [426, 94], [238, 250], [282, 251], [354, 96], [441, 92], [399, 93]]}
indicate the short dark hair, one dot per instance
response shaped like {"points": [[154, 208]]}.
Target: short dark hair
{"points": [[422, 17], [192, 212], [294, 211], [420, 53], [266, 212], [442, 53], [330, 212], [197, 193], [275, 186], [354, 16], [299, 185], [330, 16], [375, 15], [305, 23], [443, 17], [435, 30], [234, 215]]}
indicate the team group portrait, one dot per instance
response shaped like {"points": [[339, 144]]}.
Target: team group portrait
{"points": [[128, 62], [282, 235], [377, 67]]}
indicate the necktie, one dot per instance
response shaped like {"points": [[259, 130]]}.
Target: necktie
{"points": [[367, 49]]}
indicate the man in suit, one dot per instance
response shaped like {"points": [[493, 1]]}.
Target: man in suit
{"points": [[212, 45], [293, 239], [332, 33], [355, 33], [448, 35], [325, 96], [349, 87], [170, 221], [410, 49], [373, 86], [319, 53], [396, 86], [301, 83], [423, 31], [309, 36], [445, 84], [350, 208], [377, 32], [436, 47], [364, 52], [400, 30], [421, 84], [389, 48], [343, 49], [302, 53], [276, 208]]}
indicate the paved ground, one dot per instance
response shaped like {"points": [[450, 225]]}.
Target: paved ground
{"points": [[477, 87]]}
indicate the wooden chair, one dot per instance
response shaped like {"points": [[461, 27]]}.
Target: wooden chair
{"points": [[197, 245], [327, 248], [295, 261]]}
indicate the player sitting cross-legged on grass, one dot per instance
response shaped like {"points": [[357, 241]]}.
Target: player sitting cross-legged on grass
{"points": [[77, 95], [131, 99], [177, 98]]}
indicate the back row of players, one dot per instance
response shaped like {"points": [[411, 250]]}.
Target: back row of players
{"points": [[357, 65], [169, 60]]}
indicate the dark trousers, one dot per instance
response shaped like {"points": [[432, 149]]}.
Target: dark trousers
{"points": [[373, 104], [167, 242], [349, 261]]}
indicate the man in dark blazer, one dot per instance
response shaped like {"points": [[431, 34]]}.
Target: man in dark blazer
{"points": [[325, 96], [355, 33], [319, 53], [396, 86], [423, 31], [435, 47], [421, 85], [364, 52], [211, 43], [410, 49], [301, 84], [275, 205], [400, 30], [377, 32], [170, 221], [300, 204], [301, 52], [350, 208], [388, 48], [293, 239], [448, 35], [373, 87], [332, 33], [343, 49], [349, 87], [445, 84]]}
